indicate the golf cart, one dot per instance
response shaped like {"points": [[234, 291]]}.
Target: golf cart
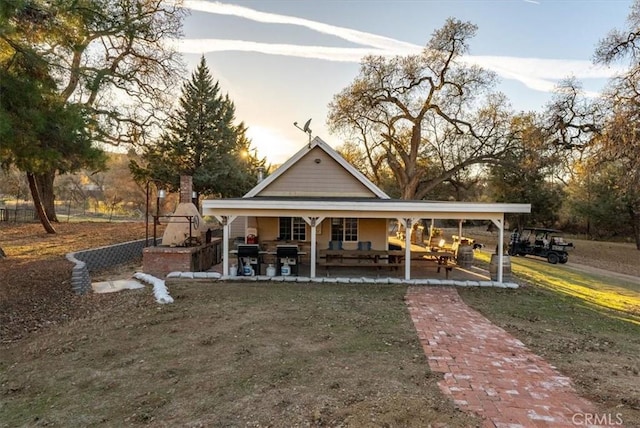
{"points": [[541, 242]]}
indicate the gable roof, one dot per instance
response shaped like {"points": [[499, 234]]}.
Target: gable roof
{"points": [[316, 143]]}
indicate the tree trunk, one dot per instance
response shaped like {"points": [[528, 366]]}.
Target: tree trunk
{"points": [[37, 202], [412, 170], [410, 190], [2, 253], [45, 187], [635, 223]]}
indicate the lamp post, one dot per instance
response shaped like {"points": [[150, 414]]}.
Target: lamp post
{"points": [[146, 218], [156, 220]]}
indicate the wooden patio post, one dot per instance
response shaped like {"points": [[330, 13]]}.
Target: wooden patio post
{"points": [[226, 225], [312, 268], [225, 246], [407, 247], [500, 248], [313, 223]]}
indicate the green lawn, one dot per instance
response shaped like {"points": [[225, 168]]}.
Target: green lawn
{"points": [[596, 291], [586, 325]]}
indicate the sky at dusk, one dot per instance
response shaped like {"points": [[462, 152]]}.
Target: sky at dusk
{"points": [[282, 61]]}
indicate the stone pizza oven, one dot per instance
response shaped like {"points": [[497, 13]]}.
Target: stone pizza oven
{"points": [[187, 245], [185, 227]]}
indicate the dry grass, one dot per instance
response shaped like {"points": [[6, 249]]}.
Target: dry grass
{"points": [[230, 355], [35, 290], [290, 354]]}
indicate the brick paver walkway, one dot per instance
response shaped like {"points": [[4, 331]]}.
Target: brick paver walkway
{"points": [[488, 371]]}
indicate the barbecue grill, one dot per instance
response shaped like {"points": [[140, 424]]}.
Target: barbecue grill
{"points": [[287, 254], [248, 254]]}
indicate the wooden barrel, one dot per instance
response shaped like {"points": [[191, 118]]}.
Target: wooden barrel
{"points": [[506, 268], [465, 256]]}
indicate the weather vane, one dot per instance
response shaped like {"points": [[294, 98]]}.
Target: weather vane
{"points": [[305, 129]]}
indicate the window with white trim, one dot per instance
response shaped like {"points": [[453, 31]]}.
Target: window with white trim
{"points": [[344, 229], [292, 228]]}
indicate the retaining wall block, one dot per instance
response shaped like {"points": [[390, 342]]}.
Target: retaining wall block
{"points": [[94, 259]]}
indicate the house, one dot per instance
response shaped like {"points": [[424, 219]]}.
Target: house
{"points": [[317, 197]]}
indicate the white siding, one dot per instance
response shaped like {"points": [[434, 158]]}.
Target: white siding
{"points": [[237, 227]]}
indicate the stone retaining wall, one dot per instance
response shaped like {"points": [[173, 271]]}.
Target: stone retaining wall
{"points": [[88, 261]]}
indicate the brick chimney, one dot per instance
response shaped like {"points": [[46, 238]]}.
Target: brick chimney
{"points": [[186, 189]]}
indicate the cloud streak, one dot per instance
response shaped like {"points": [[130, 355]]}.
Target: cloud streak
{"points": [[536, 73], [200, 46], [348, 34]]}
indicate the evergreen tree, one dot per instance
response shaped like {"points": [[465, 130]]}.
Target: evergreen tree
{"points": [[202, 141]]}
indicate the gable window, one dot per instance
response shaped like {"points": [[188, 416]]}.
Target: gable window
{"points": [[344, 229], [292, 228]]}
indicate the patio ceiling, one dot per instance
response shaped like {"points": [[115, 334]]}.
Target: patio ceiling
{"points": [[362, 208]]}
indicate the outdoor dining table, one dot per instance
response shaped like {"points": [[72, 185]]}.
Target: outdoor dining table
{"points": [[365, 256]]}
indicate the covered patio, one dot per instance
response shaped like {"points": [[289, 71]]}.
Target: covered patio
{"points": [[367, 274], [315, 210]]}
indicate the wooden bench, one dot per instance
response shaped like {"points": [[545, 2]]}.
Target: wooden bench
{"points": [[383, 259], [355, 258], [359, 256]]}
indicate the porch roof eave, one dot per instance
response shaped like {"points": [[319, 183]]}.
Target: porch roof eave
{"points": [[374, 208]]}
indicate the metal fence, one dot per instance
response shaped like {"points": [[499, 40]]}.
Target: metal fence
{"points": [[18, 215]]}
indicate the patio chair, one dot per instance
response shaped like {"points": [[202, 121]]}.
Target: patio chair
{"points": [[364, 245]]}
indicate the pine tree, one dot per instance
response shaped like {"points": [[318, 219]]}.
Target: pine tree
{"points": [[202, 140]]}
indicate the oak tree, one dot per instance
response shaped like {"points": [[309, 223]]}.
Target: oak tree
{"points": [[107, 58], [427, 117], [619, 143], [604, 131]]}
